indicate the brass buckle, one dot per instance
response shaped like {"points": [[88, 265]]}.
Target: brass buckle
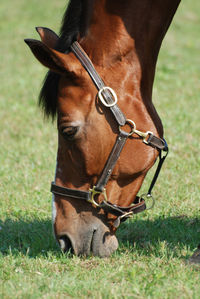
{"points": [[102, 99], [94, 192]]}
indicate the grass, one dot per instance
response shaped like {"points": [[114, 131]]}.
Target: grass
{"points": [[151, 261]]}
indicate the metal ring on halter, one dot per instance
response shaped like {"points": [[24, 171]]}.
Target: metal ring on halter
{"points": [[147, 196], [131, 124], [102, 99]]}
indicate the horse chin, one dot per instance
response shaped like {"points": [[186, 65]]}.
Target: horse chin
{"points": [[94, 241]]}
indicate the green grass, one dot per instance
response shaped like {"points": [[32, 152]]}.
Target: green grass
{"points": [[151, 261]]}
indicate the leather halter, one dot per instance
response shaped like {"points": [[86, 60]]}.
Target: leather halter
{"points": [[109, 99]]}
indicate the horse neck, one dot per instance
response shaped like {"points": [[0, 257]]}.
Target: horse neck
{"points": [[114, 28], [135, 28], [111, 37], [106, 39]]}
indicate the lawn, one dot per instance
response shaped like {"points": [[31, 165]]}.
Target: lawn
{"points": [[151, 261]]}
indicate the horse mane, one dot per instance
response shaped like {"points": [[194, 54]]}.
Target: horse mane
{"points": [[72, 20]]}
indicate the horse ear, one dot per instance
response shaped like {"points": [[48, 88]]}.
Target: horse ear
{"points": [[56, 61], [48, 37]]}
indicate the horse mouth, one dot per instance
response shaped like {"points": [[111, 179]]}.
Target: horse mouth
{"points": [[96, 243]]}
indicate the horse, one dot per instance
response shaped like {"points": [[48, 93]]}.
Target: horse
{"points": [[99, 88]]}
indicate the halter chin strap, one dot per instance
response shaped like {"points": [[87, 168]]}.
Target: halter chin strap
{"points": [[109, 99]]}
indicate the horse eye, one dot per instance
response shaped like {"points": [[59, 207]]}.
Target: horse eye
{"points": [[69, 132]]}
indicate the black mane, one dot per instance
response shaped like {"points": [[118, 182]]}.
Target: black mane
{"points": [[68, 34]]}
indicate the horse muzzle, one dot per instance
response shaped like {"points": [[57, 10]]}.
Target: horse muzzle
{"points": [[97, 241]]}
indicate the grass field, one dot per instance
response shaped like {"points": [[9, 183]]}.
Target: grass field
{"points": [[151, 261]]}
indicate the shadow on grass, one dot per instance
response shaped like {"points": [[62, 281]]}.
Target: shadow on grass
{"points": [[170, 235], [35, 238]]}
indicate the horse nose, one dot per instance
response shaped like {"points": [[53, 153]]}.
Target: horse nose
{"points": [[71, 244], [96, 241]]}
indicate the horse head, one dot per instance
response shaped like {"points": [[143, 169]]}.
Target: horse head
{"points": [[88, 133]]}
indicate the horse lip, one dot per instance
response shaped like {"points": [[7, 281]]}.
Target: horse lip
{"points": [[103, 244]]}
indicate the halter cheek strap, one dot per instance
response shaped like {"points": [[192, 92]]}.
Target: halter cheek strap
{"points": [[109, 99], [104, 91]]}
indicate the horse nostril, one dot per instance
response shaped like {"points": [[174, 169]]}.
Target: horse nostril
{"points": [[69, 132], [65, 244]]}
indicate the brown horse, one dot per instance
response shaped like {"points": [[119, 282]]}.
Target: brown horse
{"points": [[122, 39]]}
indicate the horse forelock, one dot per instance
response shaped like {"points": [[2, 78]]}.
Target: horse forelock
{"points": [[48, 94]]}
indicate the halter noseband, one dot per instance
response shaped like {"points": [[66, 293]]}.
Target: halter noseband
{"points": [[108, 98]]}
